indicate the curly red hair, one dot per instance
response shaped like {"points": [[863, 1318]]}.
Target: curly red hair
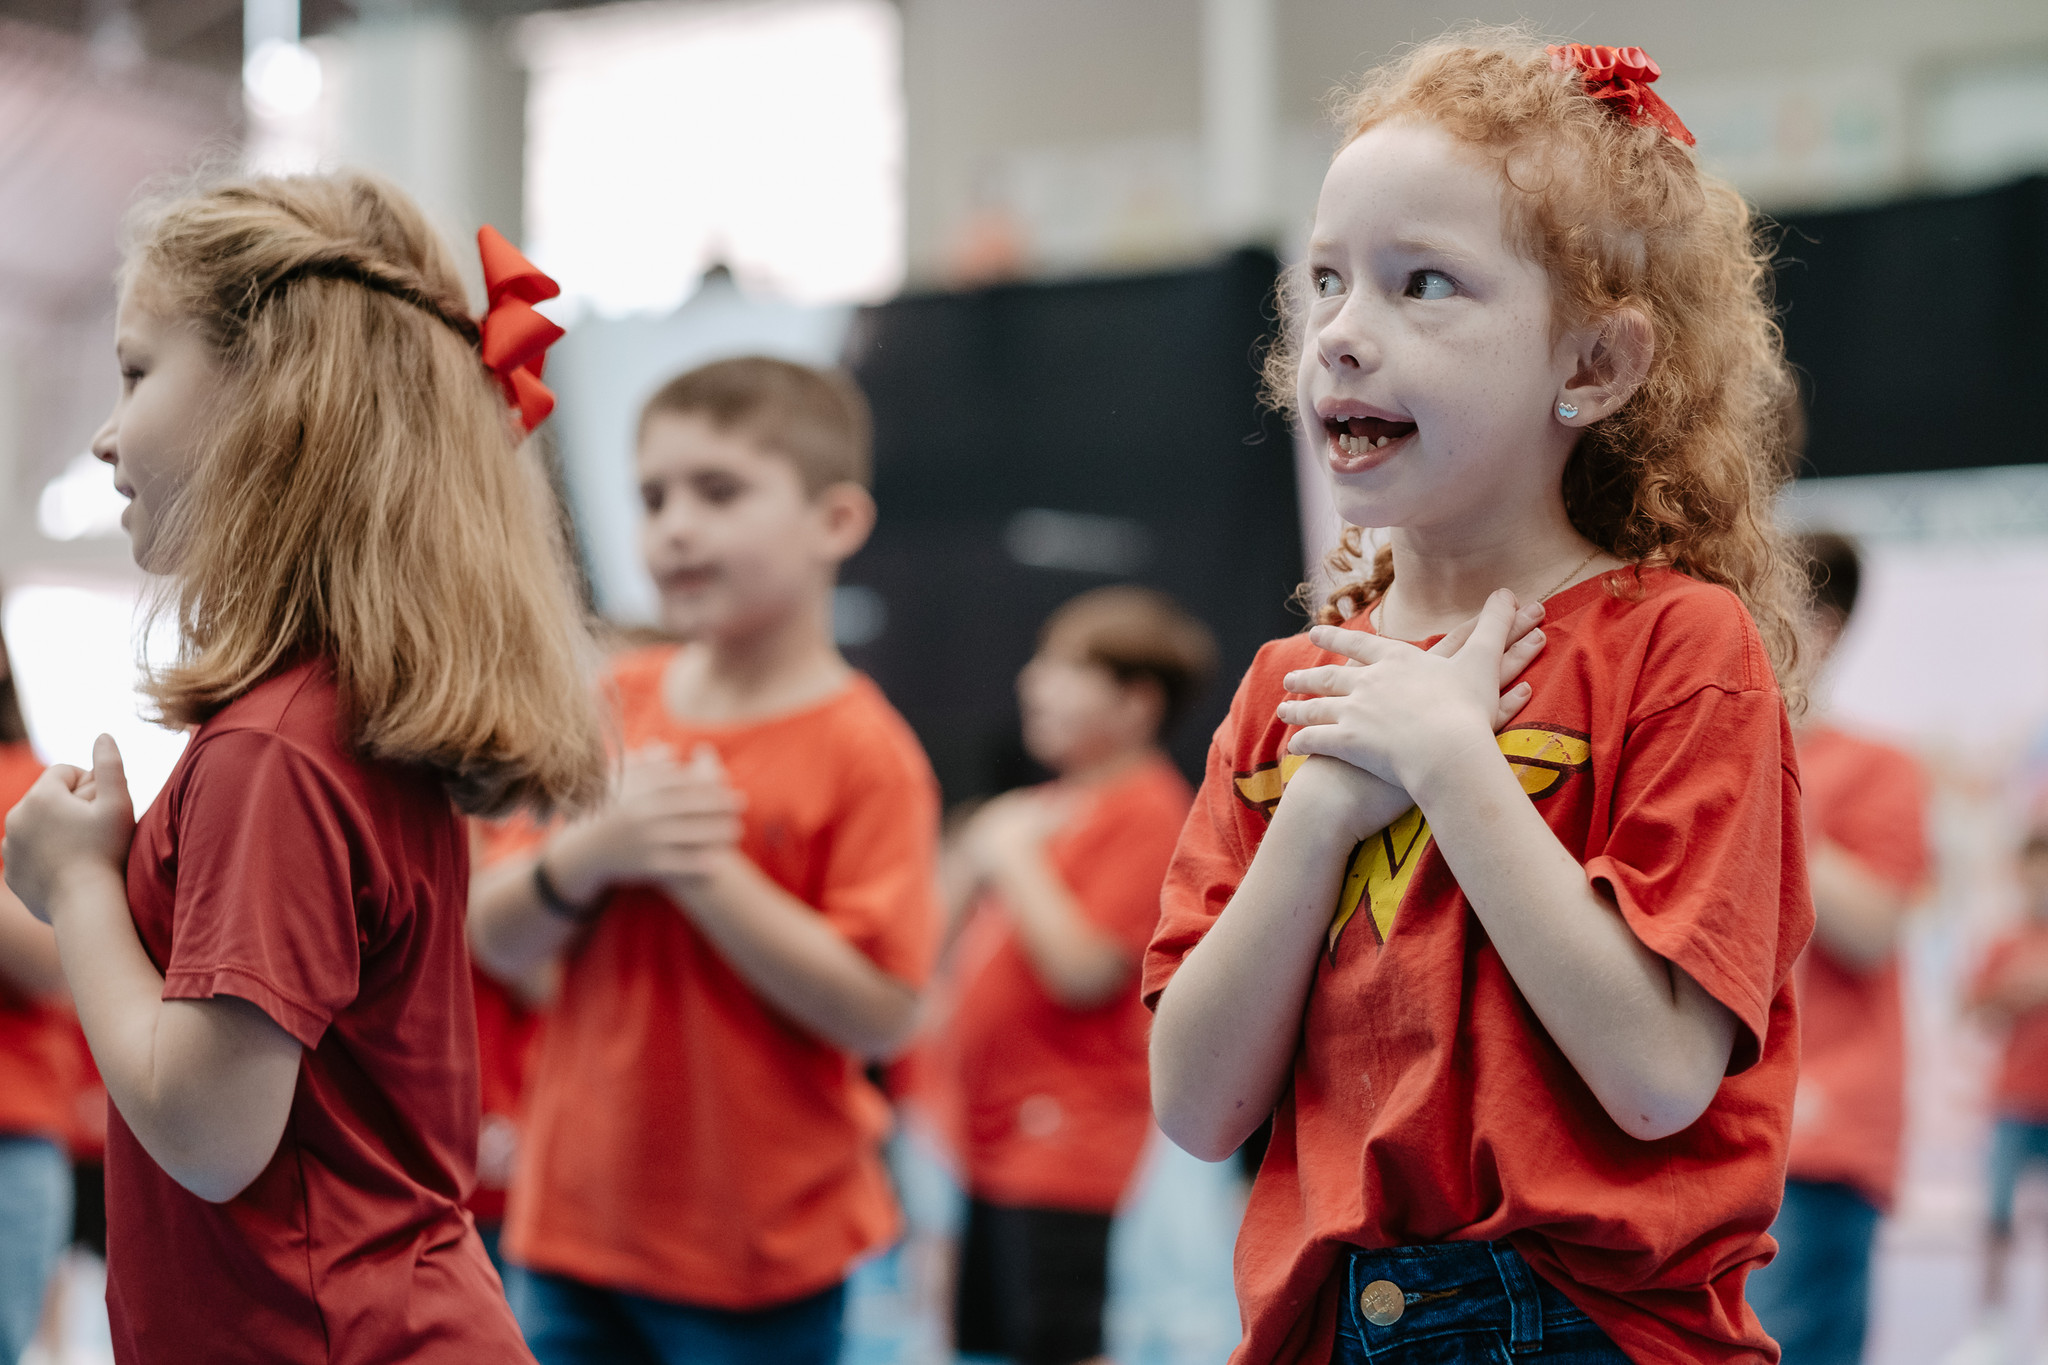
{"points": [[1621, 216]]}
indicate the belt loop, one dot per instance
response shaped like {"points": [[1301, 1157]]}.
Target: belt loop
{"points": [[1525, 1305]]}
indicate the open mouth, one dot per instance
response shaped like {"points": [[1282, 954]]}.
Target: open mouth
{"points": [[1353, 437]]}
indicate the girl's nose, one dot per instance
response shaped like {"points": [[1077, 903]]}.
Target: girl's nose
{"points": [[1344, 343], [103, 447]]}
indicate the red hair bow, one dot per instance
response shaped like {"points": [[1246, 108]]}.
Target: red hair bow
{"points": [[515, 337], [1621, 76]]}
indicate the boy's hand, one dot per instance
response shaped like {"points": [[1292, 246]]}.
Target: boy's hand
{"points": [[71, 823], [1407, 710], [667, 821], [1016, 822]]}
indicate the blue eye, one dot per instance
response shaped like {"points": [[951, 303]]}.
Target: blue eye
{"points": [[1430, 284], [1327, 285]]}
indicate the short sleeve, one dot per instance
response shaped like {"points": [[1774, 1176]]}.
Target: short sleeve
{"points": [[880, 883], [1880, 819], [1705, 855], [266, 897], [1209, 859], [1119, 870]]}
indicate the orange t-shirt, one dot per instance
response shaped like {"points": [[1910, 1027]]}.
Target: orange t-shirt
{"points": [[1870, 800], [1427, 1103], [683, 1139], [38, 1059], [1054, 1104], [2021, 1091]]}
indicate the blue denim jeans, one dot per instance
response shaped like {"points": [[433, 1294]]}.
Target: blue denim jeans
{"points": [[1815, 1296], [1461, 1303], [35, 1223], [568, 1322], [2015, 1145]]}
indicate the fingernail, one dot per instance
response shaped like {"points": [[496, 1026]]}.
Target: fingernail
{"points": [[1535, 634]]}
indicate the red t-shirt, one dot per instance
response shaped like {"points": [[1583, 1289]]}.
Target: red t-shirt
{"points": [[1870, 800], [2021, 1091], [683, 1139], [1427, 1103], [38, 1062], [1054, 1104], [329, 891]]}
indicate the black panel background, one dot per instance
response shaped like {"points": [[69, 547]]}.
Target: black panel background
{"points": [[1131, 397], [1921, 330]]}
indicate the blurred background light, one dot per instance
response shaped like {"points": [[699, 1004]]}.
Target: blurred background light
{"points": [[664, 139], [80, 502]]}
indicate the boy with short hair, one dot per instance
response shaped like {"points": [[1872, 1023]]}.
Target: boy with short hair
{"points": [[1043, 1055], [1867, 861], [739, 931]]}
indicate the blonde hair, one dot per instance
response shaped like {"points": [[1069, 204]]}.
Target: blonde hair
{"points": [[815, 419], [361, 495], [1620, 216]]}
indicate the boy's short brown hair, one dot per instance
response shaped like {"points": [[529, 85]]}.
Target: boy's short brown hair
{"points": [[816, 419], [1834, 570], [1137, 633]]}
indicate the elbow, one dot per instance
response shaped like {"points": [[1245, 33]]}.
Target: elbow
{"points": [[215, 1177], [888, 1028], [1201, 1129], [1200, 1141], [1655, 1109]]}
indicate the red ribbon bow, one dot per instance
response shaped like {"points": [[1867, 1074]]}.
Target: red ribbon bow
{"points": [[1621, 76], [515, 337]]}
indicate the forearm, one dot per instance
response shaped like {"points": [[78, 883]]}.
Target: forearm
{"points": [[513, 935], [1645, 1038], [1856, 914], [206, 1110], [792, 958], [1229, 1023], [28, 950], [1079, 965]]}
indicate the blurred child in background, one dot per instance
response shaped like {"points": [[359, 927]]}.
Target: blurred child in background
{"points": [[743, 926], [1868, 860], [2010, 993], [1509, 963], [38, 1074], [1043, 1049], [375, 622]]}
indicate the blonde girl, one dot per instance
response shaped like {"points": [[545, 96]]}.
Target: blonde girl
{"points": [[375, 627], [1517, 1002]]}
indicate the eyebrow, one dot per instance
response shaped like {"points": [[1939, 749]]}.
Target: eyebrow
{"points": [[1408, 244]]}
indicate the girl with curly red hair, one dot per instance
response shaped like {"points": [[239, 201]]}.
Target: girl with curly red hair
{"points": [[1509, 970]]}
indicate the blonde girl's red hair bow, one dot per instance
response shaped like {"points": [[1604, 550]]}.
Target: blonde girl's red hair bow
{"points": [[1620, 77], [515, 337]]}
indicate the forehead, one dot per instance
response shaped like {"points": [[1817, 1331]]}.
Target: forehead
{"points": [[680, 441], [1411, 183]]}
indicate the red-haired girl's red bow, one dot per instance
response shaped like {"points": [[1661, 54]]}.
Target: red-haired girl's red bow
{"points": [[1621, 76], [515, 337]]}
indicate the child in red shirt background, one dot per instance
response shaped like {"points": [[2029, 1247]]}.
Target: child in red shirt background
{"points": [[1039, 1049], [375, 620], [739, 931], [38, 1074], [1868, 860], [1519, 1004], [2010, 992]]}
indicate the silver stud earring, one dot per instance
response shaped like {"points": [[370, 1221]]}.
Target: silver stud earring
{"points": [[1567, 410]]}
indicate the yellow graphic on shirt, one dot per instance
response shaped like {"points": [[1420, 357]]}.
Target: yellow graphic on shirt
{"points": [[1383, 864]]}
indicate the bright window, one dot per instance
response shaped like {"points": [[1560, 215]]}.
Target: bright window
{"points": [[766, 135]]}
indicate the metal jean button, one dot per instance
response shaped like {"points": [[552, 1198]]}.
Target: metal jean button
{"points": [[1381, 1303]]}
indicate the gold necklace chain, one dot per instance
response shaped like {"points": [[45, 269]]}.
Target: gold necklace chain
{"points": [[1378, 614]]}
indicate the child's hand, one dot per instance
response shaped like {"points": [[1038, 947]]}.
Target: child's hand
{"points": [[1016, 822], [71, 823], [666, 821], [1407, 710]]}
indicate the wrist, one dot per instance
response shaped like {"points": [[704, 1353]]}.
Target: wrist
{"points": [[556, 901], [1329, 801], [573, 867], [81, 883], [1465, 762]]}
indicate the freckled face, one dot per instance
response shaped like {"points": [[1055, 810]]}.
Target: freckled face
{"points": [[730, 536], [152, 438], [1428, 367]]}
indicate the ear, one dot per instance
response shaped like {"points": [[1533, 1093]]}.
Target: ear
{"points": [[1611, 361], [846, 517]]}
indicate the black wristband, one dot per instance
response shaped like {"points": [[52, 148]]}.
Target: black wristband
{"points": [[558, 904]]}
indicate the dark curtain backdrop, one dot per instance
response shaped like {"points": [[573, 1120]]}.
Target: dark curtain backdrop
{"points": [[1033, 441], [1921, 330]]}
